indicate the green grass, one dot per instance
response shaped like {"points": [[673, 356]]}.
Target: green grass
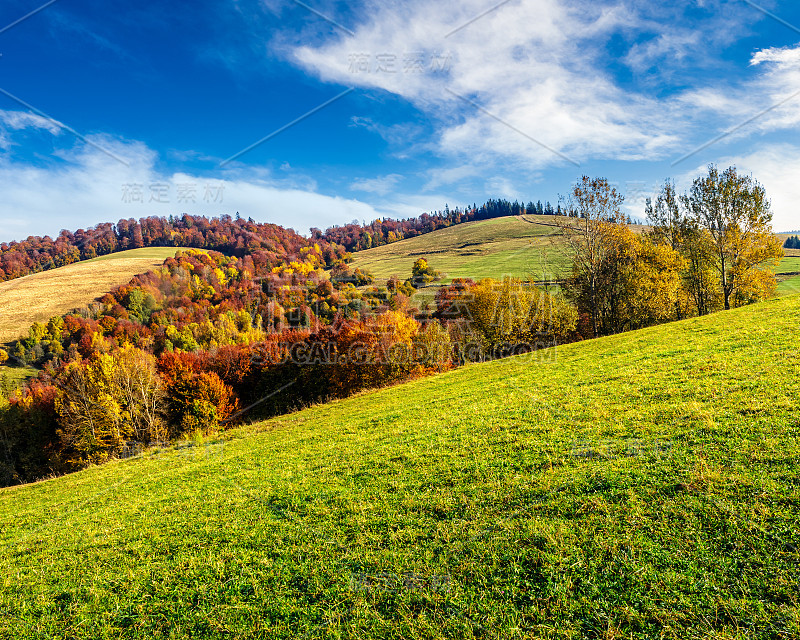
{"points": [[483, 249], [788, 274], [526, 247], [644, 485], [12, 377]]}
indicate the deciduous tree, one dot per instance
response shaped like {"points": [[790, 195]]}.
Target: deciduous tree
{"points": [[735, 211], [592, 204]]}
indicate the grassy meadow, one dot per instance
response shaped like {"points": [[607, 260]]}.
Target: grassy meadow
{"points": [[524, 246], [12, 377], [40, 296], [643, 485], [788, 273], [521, 246]]}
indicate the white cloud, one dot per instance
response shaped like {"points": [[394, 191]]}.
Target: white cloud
{"points": [[380, 185], [451, 175], [779, 82], [767, 100], [782, 55], [86, 185], [537, 67], [411, 206], [675, 46], [13, 121], [17, 120]]}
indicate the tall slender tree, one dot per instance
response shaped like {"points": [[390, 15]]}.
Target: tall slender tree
{"points": [[592, 204]]}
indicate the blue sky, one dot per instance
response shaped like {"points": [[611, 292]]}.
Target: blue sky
{"points": [[112, 109]]}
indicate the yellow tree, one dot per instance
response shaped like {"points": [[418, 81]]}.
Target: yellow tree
{"points": [[650, 283], [433, 347], [113, 399], [139, 391], [511, 313], [671, 225], [734, 210], [394, 347], [636, 283], [90, 418]]}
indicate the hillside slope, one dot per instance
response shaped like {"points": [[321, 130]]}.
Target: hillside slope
{"points": [[788, 273], [40, 296], [520, 246], [641, 485]]}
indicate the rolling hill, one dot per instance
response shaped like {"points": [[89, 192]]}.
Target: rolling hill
{"points": [[788, 273], [523, 246], [641, 485], [40, 296]]}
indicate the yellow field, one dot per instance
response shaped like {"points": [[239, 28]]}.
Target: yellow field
{"points": [[38, 297]]}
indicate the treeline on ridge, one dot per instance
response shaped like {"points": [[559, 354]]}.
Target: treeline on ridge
{"points": [[355, 237], [235, 236], [225, 234]]}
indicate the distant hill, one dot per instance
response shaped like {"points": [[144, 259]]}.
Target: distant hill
{"points": [[522, 246], [39, 296], [634, 486]]}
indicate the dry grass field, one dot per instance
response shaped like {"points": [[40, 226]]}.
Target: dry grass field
{"points": [[38, 297]]}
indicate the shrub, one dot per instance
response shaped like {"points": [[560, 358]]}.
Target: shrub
{"points": [[198, 399], [512, 315], [422, 273]]}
